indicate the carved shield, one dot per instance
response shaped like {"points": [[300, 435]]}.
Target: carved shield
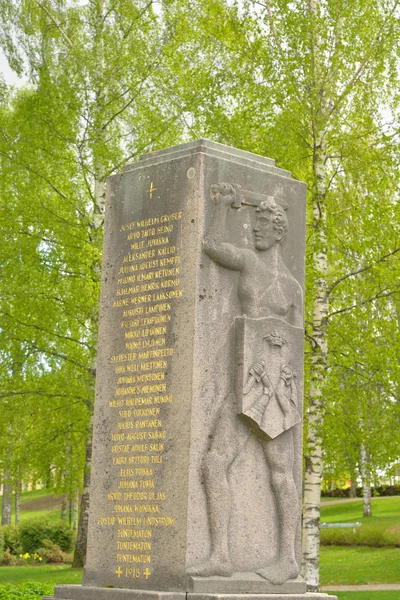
{"points": [[269, 373]]}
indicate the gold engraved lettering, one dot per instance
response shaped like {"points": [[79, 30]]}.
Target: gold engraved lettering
{"points": [[167, 295], [162, 399], [138, 460], [145, 508], [135, 496], [123, 357], [137, 546], [106, 520], [120, 303], [166, 251], [115, 403], [148, 423], [134, 533], [126, 485], [172, 260], [155, 353], [133, 558], [134, 256], [177, 216], [132, 521], [167, 283], [149, 221], [139, 401], [158, 521]]}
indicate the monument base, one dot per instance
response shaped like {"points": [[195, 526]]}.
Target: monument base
{"points": [[80, 592]]}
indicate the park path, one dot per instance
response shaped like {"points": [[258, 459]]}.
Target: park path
{"points": [[344, 500], [372, 587]]}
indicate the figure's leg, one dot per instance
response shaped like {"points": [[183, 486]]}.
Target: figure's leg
{"points": [[280, 456], [227, 440]]}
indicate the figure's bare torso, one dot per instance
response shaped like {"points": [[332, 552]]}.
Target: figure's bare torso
{"points": [[266, 292]]}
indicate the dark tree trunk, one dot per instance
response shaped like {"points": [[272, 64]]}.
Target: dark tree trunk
{"points": [[81, 540]]}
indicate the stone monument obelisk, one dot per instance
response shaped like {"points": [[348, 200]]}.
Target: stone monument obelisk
{"points": [[196, 478]]}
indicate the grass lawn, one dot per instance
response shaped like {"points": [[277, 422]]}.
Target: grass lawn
{"points": [[43, 573], [382, 508], [392, 595], [38, 504], [343, 565]]}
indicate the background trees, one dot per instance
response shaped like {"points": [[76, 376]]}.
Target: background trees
{"points": [[313, 85]]}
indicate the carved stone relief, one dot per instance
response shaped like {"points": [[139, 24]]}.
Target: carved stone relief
{"points": [[266, 394]]}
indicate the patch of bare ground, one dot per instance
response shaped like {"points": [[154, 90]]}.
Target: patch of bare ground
{"points": [[46, 503]]}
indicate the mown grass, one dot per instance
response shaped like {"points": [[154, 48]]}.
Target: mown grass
{"points": [[360, 565], [385, 595], [54, 574], [52, 514]]}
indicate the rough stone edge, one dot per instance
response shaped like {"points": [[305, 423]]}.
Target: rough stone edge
{"points": [[244, 583], [81, 592], [211, 145], [222, 152], [115, 594]]}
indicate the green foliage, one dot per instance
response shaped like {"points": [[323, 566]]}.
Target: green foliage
{"points": [[34, 533], [12, 541], [382, 529], [27, 591], [46, 573], [52, 552], [366, 535]]}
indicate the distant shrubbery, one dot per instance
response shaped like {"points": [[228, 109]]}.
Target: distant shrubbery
{"points": [[36, 541], [366, 535], [381, 490]]}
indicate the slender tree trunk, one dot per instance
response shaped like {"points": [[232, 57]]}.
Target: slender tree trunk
{"points": [[18, 492], [366, 482], [81, 540], [7, 499], [319, 347], [64, 507], [353, 488], [76, 511]]}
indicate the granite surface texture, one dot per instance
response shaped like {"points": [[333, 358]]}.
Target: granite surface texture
{"points": [[196, 476]]}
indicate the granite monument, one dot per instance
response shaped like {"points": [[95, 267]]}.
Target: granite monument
{"points": [[196, 478]]}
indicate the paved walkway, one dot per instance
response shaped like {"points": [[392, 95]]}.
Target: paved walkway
{"points": [[378, 587], [344, 500]]}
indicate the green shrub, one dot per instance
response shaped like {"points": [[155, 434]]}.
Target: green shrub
{"points": [[12, 539], [7, 559], [361, 536], [27, 591], [32, 533], [2, 547], [51, 552]]}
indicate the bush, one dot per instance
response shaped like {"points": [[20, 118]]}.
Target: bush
{"points": [[365, 535], [27, 591], [7, 559], [51, 552], [12, 539], [32, 534]]}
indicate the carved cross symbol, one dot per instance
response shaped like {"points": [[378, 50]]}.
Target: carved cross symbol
{"points": [[147, 573], [119, 572], [151, 190]]}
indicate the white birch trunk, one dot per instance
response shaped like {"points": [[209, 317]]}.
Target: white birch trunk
{"points": [[366, 482], [319, 348], [7, 499]]}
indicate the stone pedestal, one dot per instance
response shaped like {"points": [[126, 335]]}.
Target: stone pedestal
{"points": [[196, 477]]}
